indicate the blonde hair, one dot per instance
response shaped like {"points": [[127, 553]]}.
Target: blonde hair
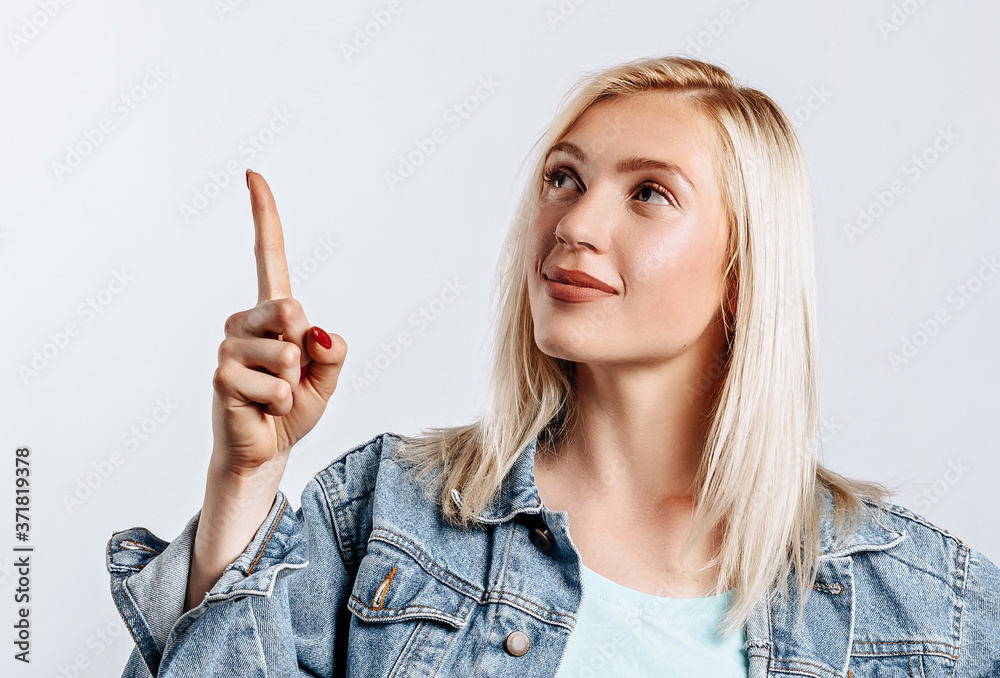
{"points": [[759, 475]]}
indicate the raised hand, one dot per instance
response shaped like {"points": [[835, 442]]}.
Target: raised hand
{"points": [[276, 373]]}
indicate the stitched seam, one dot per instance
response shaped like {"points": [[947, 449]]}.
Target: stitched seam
{"points": [[415, 608], [503, 577], [780, 669], [413, 655], [793, 661], [915, 518], [481, 595], [119, 581], [770, 635], [336, 521], [506, 556], [533, 612], [878, 522], [444, 654], [475, 669], [905, 652], [854, 602], [432, 568], [270, 532], [504, 595], [259, 642], [406, 650], [903, 642], [348, 545], [960, 604]]}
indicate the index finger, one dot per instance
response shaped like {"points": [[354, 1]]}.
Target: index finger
{"points": [[269, 243]]}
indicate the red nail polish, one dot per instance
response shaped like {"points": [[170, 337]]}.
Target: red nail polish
{"points": [[302, 373], [322, 338], [248, 177]]}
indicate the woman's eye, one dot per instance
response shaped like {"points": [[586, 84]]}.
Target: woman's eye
{"points": [[555, 178], [652, 192]]}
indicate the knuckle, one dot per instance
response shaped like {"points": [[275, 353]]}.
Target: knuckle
{"points": [[289, 311], [220, 379], [288, 355], [232, 324], [225, 350], [282, 391]]}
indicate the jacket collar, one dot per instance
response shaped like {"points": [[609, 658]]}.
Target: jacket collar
{"points": [[868, 535], [775, 641], [519, 494]]}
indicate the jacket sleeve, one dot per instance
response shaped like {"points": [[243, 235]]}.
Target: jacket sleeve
{"points": [[979, 647], [274, 611]]}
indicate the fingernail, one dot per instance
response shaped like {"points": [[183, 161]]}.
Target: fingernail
{"points": [[302, 373], [248, 177], [322, 338]]}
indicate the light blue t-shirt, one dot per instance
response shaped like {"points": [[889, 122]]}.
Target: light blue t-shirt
{"points": [[624, 632]]}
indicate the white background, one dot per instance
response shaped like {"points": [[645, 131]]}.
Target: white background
{"points": [[869, 83]]}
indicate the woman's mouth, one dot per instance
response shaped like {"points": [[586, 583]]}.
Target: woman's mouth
{"points": [[575, 286]]}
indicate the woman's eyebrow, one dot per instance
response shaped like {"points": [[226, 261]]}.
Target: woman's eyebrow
{"points": [[625, 165], [635, 164]]}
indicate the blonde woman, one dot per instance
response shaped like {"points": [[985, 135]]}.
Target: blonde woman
{"points": [[642, 496]]}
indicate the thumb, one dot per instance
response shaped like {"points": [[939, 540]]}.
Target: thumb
{"points": [[327, 352]]}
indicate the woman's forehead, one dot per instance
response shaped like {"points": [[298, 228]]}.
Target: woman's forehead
{"points": [[657, 125]]}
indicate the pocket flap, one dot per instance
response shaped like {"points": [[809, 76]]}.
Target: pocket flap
{"points": [[391, 585]]}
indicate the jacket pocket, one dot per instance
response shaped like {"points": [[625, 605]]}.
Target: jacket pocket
{"points": [[396, 582], [408, 614]]}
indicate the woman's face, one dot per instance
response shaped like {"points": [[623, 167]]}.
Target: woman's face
{"points": [[631, 198]]}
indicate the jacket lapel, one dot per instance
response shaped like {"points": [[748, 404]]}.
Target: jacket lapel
{"points": [[818, 644]]}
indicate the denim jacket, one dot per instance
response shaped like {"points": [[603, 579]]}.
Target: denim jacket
{"points": [[366, 580]]}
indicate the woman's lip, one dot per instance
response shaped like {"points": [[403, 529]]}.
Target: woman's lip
{"points": [[574, 293], [576, 278]]}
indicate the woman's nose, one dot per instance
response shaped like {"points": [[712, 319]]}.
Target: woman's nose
{"points": [[587, 223]]}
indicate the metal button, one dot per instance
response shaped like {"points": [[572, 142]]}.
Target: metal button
{"points": [[518, 643], [539, 533], [541, 538]]}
